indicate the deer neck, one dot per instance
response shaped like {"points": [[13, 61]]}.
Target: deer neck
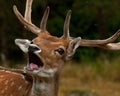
{"points": [[43, 87], [45, 82]]}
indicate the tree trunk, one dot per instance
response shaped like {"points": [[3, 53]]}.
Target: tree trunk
{"points": [[3, 36]]}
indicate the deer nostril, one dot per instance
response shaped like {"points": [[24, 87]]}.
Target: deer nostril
{"points": [[31, 42]]}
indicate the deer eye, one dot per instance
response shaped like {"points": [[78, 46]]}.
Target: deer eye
{"points": [[60, 51]]}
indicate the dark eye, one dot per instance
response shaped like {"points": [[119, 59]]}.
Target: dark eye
{"points": [[60, 51]]}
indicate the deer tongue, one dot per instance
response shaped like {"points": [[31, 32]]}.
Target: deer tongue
{"points": [[33, 66]]}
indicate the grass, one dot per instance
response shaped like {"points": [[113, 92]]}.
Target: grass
{"points": [[101, 77]]}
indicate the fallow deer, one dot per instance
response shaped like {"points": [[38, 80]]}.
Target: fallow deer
{"points": [[46, 57], [16, 82]]}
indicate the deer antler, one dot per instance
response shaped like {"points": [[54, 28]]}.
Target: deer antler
{"points": [[100, 43], [66, 25], [96, 43], [44, 19], [28, 10], [26, 20], [111, 46]]}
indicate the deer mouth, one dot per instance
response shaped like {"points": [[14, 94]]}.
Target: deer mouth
{"points": [[34, 62]]}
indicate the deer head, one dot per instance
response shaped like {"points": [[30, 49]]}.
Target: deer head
{"points": [[50, 51], [47, 51]]}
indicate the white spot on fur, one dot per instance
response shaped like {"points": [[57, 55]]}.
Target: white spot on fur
{"points": [[11, 79], [3, 91], [26, 82], [6, 82], [20, 88], [2, 70], [23, 77], [26, 91], [12, 72], [6, 87], [12, 83], [1, 76]]}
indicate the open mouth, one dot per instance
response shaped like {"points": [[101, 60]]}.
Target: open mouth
{"points": [[34, 62]]}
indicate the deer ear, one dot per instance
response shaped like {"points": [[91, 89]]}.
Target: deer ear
{"points": [[73, 45], [23, 44]]}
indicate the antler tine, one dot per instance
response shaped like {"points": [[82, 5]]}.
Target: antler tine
{"points": [[44, 19], [29, 25], [111, 46], [26, 21], [28, 10], [100, 42], [66, 25]]}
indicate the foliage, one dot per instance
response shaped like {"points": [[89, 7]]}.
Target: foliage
{"points": [[90, 19]]}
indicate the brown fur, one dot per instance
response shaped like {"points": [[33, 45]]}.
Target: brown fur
{"points": [[14, 84]]}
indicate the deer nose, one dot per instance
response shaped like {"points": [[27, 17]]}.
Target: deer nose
{"points": [[34, 48]]}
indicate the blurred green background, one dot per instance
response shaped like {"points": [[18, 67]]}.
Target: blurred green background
{"points": [[91, 19]]}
